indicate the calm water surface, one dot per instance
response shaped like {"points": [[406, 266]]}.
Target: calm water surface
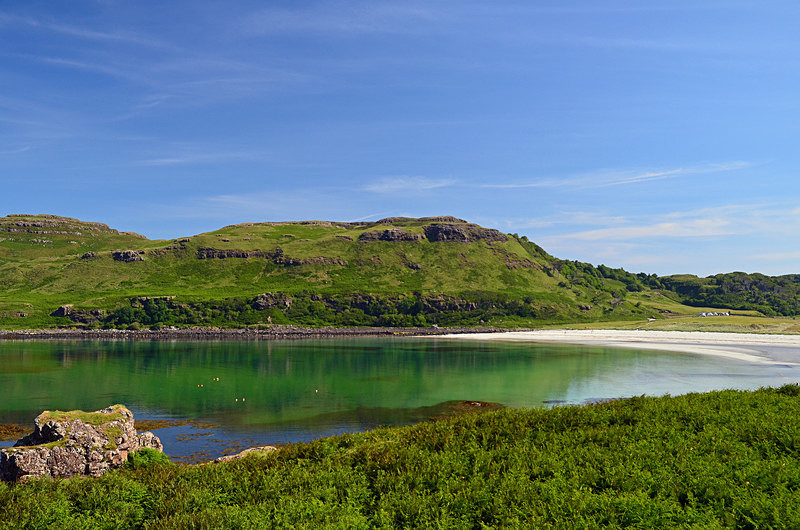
{"points": [[240, 394]]}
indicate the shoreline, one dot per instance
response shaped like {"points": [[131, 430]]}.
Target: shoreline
{"points": [[271, 332], [747, 347]]}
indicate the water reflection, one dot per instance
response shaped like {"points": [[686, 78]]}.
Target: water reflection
{"points": [[272, 392]]}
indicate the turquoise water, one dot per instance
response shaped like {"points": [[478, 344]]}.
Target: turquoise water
{"points": [[240, 394]]}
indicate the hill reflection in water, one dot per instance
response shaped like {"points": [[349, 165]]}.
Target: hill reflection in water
{"points": [[239, 394]]}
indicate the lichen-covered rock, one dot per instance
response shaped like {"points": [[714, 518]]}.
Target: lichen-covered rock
{"points": [[65, 444], [127, 256]]}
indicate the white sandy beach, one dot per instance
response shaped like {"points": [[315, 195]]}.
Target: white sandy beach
{"points": [[747, 347]]}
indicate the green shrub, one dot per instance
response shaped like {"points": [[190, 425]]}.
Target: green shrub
{"points": [[146, 457]]}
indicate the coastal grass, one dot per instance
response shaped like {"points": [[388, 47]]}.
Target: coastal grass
{"points": [[714, 460]]}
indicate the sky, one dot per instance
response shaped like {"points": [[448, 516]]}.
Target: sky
{"points": [[657, 136]]}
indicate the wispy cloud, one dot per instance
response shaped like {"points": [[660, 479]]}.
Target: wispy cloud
{"points": [[607, 178], [691, 228], [779, 256], [405, 184], [198, 156], [338, 17], [17, 151], [125, 37]]}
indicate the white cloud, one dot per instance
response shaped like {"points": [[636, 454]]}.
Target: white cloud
{"points": [[693, 228], [779, 256], [405, 184], [607, 178]]}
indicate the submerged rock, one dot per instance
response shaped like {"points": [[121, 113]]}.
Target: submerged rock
{"points": [[65, 444]]}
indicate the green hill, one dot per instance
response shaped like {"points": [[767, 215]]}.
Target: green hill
{"points": [[57, 271], [396, 271]]}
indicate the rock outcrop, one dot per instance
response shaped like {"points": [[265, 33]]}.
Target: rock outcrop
{"points": [[128, 255], [463, 233], [390, 234], [66, 444], [271, 300], [277, 256], [217, 253], [62, 311]]}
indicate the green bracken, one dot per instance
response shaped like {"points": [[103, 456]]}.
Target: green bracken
{"points": [[717, 460]]}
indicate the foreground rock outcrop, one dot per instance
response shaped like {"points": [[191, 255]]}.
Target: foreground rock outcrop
{"points": [[65, 444]]}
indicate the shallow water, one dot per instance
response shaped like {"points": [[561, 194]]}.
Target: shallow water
{"points": [[240, 394]]}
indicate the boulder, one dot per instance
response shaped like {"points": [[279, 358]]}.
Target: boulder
{"points": [[128, 256], [66, 444]]}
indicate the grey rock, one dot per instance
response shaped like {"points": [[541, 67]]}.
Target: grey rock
{"points": [[127, 256], [272, 300], [63, 311], [390, 234], [66, 444], [463, 233]]}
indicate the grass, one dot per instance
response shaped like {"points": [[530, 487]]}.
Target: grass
{"points": [[717, 460], [37, 278], [90, 418]]}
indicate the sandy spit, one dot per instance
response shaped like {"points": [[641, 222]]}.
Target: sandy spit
{"points": [[747, 347]]}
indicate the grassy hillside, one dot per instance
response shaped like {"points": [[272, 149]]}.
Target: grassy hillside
{"points": [[392, 272], [719, 460], [386, 272]]}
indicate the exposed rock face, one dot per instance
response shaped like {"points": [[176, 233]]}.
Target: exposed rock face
{"points": [[277, 256], [400, 220], [212, 253], [391, 234], [270, 300], [128, 255], [63, 311], [65, 444], [317, 260], [89, 255], [462, 233], [51, 224]]}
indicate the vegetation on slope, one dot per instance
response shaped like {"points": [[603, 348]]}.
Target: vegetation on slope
{"points": [[723, 459], [392, 272], [396, 271]]}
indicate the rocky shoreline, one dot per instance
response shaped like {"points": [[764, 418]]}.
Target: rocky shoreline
{"points": [[271, 332]]}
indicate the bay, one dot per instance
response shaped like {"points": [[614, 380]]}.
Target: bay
{"points": [[226, 396]]}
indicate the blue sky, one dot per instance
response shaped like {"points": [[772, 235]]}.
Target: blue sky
{"points": [[658, 136]]}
